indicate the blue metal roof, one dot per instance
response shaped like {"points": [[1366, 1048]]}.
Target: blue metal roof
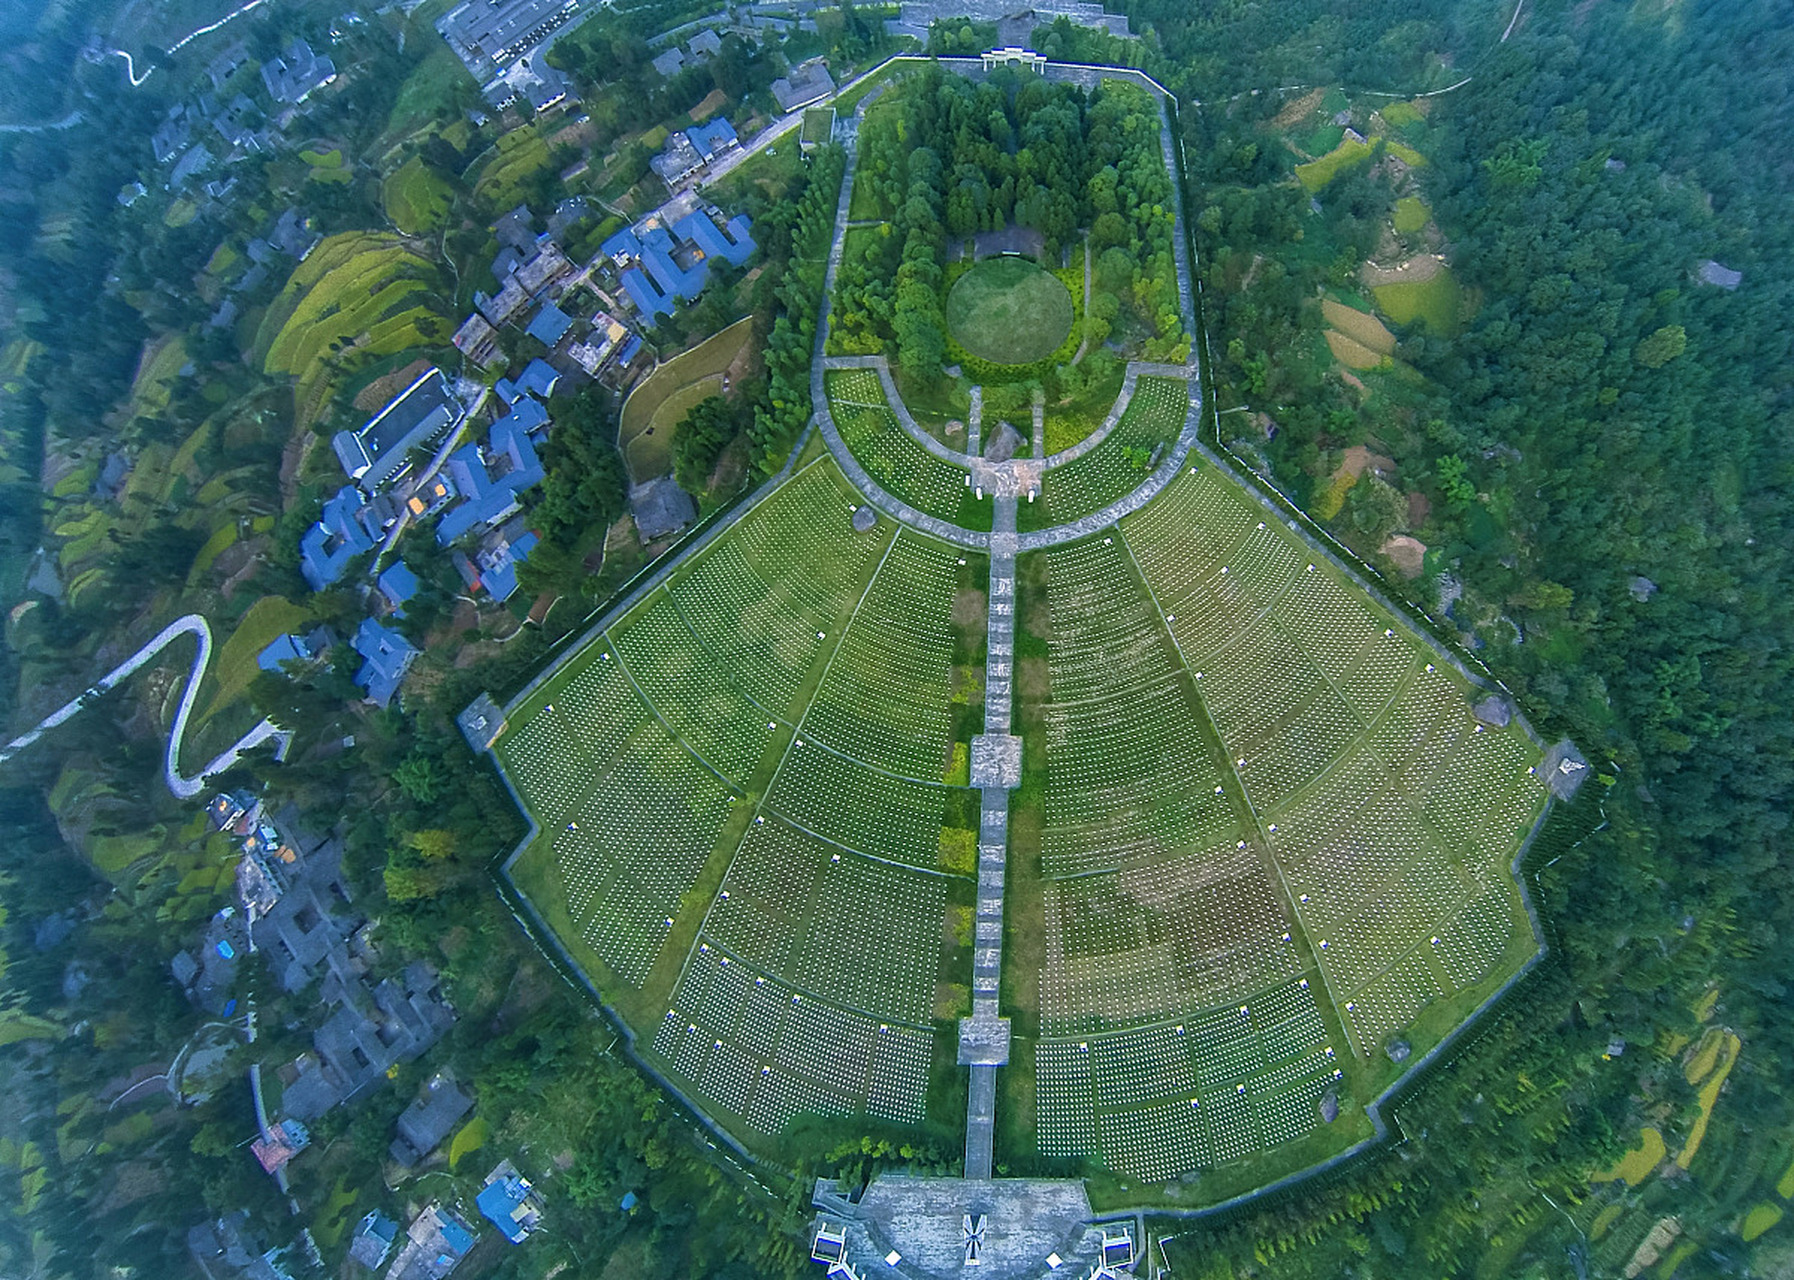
{"points": [[385, 656], [646, 297], [500, 578], [550, 325], [538, 378], [711, 138], [499, 1201], [489, 499], [735, 248], [623, 242], [326, 548], [285, 649], [398, 584]]}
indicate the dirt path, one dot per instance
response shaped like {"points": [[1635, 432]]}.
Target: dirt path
{"points": [[1416, 270]]}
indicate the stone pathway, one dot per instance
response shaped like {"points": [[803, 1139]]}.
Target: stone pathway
{"points": [[996, 769], [1039, 427], [975, 423], [1187, 440]]}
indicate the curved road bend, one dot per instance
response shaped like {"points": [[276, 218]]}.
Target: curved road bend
{"points": [[184, 787]]}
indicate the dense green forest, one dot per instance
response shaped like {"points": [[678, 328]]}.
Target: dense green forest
{"points": [[1593, 415], [950, 159], [1602, 417]]}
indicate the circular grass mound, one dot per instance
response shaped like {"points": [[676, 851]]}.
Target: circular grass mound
{"points": [[1009, 311]]}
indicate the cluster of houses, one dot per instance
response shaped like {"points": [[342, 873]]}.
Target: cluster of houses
{"points": [[407, 465], [475, 490], [293, 909], [661, 261], [227, 124]]}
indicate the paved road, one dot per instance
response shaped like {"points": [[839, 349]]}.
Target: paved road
{"points": [[184, 787]]}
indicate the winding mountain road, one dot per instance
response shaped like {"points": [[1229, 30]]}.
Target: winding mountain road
{"points": [[181, 785]]}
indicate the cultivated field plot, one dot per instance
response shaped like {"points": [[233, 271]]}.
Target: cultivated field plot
{"points": [[1393, 813], [1121, 463], [1178, 1021], [869, 428], [744, 819]]}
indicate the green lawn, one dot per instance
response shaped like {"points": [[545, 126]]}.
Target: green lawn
{"points": [[1009, 311], [684, 380], [649, 453], [1435, 302]]}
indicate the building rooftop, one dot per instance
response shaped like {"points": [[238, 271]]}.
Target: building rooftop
{"points": [[500, 31], [386, 656], [373, 455], [490, 480], [550, 325], [807, 83], [508, 1201], [397, 583], [373, 1240], [338, 537], [427, 1122], [1724, 277], [713, 138], [660, 507], [284, 649], [297, 73]]}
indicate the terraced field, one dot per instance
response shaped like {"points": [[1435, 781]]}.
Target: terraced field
{"points": [[746, 830]]}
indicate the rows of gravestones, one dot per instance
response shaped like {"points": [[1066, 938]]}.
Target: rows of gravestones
{"points": [[884, 699], [891, 457], [1112, 470], [1390, 808]]}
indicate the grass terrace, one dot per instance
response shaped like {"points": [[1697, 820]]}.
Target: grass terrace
{"points": [[1118, 465], [1393, 813], [872, 433]]}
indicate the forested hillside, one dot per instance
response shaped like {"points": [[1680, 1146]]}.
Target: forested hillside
{"points": [[1600, 439]]}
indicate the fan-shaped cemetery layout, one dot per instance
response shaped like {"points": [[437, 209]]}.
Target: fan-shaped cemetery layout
{"points": [[1261, 853], [1093, 747], [753, 826]]}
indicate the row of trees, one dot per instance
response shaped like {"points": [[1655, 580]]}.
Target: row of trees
{"points": [[795, 237]]}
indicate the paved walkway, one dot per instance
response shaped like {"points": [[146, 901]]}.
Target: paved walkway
{"points": [[1187, 440], [181, 785], [975, 424], [996, 768]]}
